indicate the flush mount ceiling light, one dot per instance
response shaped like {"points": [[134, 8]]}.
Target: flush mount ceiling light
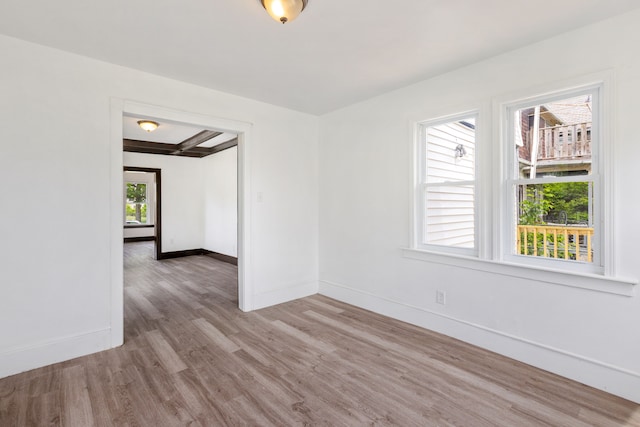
{"points": [[284, 10], [148, 125]]}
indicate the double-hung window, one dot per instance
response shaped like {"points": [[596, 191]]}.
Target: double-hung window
{"points": [[446, 185], [541, 195], [553, 181]]}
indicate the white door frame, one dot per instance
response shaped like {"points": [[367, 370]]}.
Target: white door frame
{"points": [[243, 129]]}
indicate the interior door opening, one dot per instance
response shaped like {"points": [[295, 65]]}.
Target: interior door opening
{"points": [[143, 206], [194, 145]]}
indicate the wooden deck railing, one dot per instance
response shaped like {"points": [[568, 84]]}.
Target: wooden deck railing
{"points": [[564, 141], [553, 241]]}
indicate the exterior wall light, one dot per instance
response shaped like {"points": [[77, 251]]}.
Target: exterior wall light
{"points": [[460, 151]]}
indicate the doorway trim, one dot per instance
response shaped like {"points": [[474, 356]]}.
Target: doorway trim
{"points": [[119, 107]]}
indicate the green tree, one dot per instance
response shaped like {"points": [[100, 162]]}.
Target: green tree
{"points": [[137, 194], [535, 206], [570, 198], [559, 200]]}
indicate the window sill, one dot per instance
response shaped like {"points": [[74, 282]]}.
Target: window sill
{"points": [[139, 226], [593, 282]]}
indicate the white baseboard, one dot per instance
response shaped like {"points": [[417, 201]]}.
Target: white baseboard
{"points": [[24, 359], [612, 379], [280, 296]]}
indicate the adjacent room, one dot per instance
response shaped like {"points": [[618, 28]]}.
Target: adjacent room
{"points": [[305, 212]]}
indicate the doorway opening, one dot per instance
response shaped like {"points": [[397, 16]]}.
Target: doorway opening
{"points": [[143, 206], [121, 110]]}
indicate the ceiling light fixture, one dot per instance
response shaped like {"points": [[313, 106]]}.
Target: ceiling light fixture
{"points": [[284, 10], [148, 125]]}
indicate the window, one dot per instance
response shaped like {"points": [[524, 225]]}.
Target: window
{"points": [[553, 181], [446, 185], [531, 195], [136, 207]]}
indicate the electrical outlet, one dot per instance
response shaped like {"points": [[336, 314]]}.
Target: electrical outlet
{"points": [[441, 297]]}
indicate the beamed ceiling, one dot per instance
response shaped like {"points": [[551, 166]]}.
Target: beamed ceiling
{"points": [[174, 139]]}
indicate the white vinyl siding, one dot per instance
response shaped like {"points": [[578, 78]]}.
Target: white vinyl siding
{"points": [[449, 217], [447, 184]]}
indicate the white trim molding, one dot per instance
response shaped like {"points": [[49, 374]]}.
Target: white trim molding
{"points": [[47, 353], [612, 379], [290, 293], [593, 282]]}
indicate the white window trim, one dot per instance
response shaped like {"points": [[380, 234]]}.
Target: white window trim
{"points": [[419, 170], [594, 282], [490, 185], [506, 118]]}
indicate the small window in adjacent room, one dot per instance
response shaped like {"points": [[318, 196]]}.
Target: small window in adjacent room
{"points": [[446, 185], [136, 207], [553, 182]]}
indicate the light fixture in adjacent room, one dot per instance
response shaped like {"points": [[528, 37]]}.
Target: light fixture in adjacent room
{"points": [[148, 125], [284, 10]]}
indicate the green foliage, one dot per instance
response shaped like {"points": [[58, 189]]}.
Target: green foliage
{"points": [[130, 212], [535, 206], [137, 195], [572, 198], [557, 200]]}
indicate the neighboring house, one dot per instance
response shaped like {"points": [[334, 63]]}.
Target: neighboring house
{"points": [[450, 159], [564, 144]]}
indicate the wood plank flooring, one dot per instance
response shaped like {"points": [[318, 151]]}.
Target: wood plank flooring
{"points": [[191, 358]]}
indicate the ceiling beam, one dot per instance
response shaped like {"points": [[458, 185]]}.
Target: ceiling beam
{"points": [[137, 146], [195, 140], [134, 144], [220, 147]]}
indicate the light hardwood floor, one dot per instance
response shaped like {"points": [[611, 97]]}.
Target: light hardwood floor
{"points": [[192, 358]]}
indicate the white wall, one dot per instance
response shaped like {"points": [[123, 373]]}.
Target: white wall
{"points": [[199, 200], [365, 191], [220, 173], [139, 232], [55, 299], [182, 202]]}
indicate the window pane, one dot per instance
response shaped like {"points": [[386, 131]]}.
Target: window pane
{"points": [[555, 220], [554, 138], [450, 151], [450, 216], [136, 207]]}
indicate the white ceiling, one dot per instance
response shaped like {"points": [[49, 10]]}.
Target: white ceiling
{"points": [[336, 53]]}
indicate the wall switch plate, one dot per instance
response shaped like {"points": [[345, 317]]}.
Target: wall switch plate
{"points": [[441, 297]]}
